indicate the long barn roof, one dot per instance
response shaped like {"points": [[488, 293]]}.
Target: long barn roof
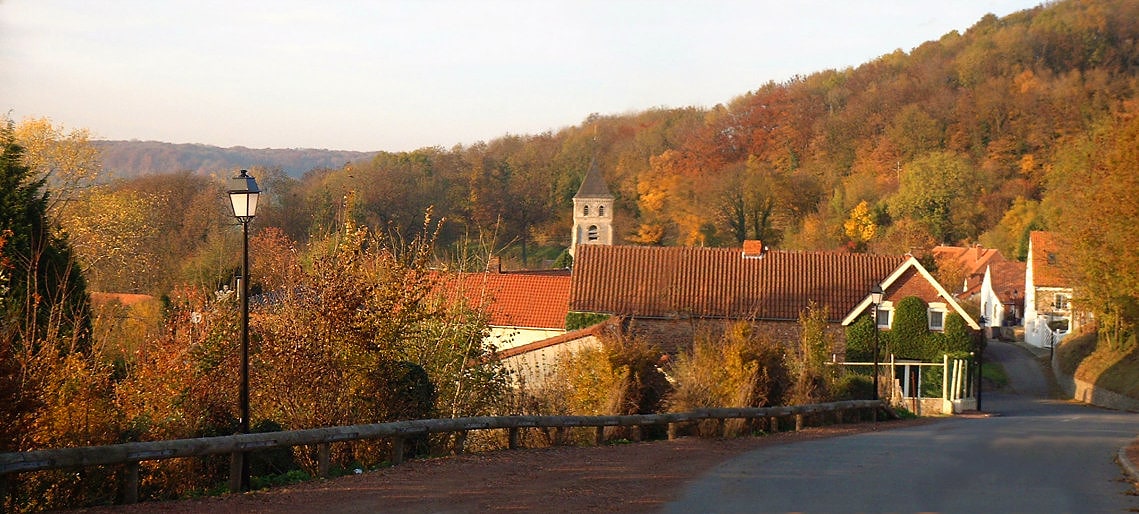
{"points": [[671, 282]]}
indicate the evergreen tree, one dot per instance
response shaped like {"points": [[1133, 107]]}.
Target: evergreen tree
{"points": [[43, 296]]}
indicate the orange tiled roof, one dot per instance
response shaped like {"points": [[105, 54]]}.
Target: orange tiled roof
{"points": [[123, 298], [1046, 270], [721, 282], [1008, 280], [973, 260], [518, 299]]}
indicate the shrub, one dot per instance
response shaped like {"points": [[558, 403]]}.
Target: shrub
{"points": [[860, 340], [578, 320], [910, 330], [740, 369], [853, 387]]}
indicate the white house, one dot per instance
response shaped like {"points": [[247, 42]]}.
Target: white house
{"points": [[1047, 293]]}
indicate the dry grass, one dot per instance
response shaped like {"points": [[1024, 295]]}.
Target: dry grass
{"points": [[1092, 360]]}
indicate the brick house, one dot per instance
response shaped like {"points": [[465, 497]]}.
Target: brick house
{"points": [[667, 295]]}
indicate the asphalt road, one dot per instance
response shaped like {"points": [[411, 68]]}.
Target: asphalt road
{"points": [[1033, 455]]}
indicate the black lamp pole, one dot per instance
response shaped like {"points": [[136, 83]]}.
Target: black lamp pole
{"points": [[243, 193]]}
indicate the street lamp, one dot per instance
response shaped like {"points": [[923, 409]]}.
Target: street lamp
{"points": [[243, 193], [876, 297]]}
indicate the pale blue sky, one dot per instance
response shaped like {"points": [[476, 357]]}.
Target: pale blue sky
{"points": [[399, 75]]}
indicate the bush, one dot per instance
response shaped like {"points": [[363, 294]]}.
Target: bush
{"points": [[910, 330], [853, 387], [578, 320], [860, 340], [738, 370]]}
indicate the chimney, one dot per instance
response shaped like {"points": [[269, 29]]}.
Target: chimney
{"points": [[494, 264], [754, 249]]}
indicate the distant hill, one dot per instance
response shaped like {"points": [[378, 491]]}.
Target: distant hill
{"points": [[137, 158]]}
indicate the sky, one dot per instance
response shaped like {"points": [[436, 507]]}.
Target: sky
{"points": [[399, 75]]}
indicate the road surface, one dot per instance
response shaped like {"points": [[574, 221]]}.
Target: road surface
{"points": [[1033, 455]]}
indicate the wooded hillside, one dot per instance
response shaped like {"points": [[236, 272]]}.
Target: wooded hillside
{"points": [[139, 158], [961, 140], [949, 143]]}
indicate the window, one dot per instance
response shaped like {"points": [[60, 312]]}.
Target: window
{"points": [[1060, 302], [591, 234], [585, 211], [885, 313], [884, 318], [936, 320], [600, 210]]}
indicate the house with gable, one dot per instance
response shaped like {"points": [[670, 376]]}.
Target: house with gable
{"points": [[522, 306], [1002, 297], [992, 282], [667, 294], [1047, 293], [972, 261]]}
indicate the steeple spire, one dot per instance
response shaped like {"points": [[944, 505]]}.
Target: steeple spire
{"points": [[592, 211]]}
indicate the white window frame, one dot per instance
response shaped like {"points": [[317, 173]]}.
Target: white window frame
{"points": [[887, 308], [940, 308]]}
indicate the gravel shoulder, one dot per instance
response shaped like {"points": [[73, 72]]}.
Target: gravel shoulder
{"points": [[635, 477]]}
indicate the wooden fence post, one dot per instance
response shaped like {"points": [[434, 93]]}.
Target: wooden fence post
{"points": [[461, 442], [512, 438], [235, 460], [130, 484], [599, 435], [798, 422], [323, 453], [673, 431], [397, 450]]}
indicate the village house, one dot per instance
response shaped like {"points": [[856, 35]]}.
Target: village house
{"points": [[667, 295], [522, 306], [1047, 293], [990, 282]]}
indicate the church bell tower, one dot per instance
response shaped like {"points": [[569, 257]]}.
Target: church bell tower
{"points": [[592, 211]]}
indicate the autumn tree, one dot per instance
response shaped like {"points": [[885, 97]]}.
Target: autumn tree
{"points": [[937, 191], [1095, 192]]}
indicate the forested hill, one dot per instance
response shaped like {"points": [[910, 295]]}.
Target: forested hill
{"points": [[955, 141], [1019, 123], [139, 158]]}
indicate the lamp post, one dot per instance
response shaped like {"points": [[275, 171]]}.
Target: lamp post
{"points": [[876, 297], [243, 193]]}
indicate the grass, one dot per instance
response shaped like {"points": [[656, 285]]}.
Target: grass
{"points": [[994, 374], [1094, 361]]}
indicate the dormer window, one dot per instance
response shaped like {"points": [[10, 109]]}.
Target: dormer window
{"points": [[585, 211]]}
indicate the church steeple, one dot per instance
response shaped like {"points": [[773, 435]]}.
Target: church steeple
{"points": [[592, 211]]}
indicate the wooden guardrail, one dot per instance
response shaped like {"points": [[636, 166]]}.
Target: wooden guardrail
{"points": [[130, 454]]}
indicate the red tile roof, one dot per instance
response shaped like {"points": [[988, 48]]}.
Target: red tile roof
{"points": [[973, 260], [517, 299], [1008, 280], [124, 298], [671, 282], [1046, 271]]}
